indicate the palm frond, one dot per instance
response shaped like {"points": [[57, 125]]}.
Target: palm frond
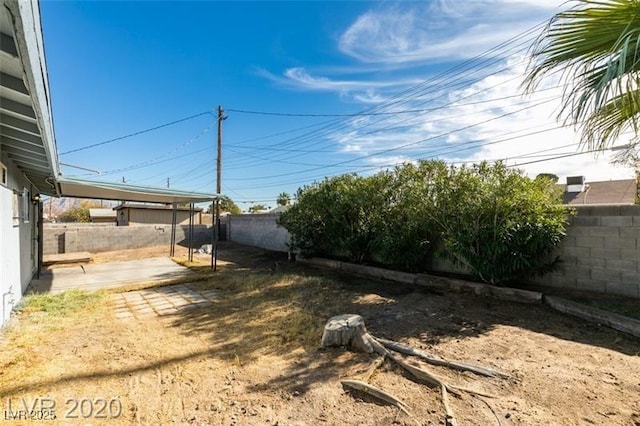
{"points": [[594, 47]]}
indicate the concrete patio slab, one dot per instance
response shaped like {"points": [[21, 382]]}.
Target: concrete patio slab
{"points": [[108, 275]]}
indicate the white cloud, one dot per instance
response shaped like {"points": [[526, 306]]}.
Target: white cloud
{"points": [[442, 30], [471, 115], [483, 121], [299, 77]]}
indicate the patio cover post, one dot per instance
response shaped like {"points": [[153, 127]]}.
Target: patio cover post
{"points": [[214, 233], [174, 217], [191, 211]]}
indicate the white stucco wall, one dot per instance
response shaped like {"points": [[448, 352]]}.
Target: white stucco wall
{"points": [[17, 257]]}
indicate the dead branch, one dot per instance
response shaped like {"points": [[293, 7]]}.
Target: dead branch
{"points": [[349, 330], [449, 418], [377, 363], [435, 360], [376, 393], [492, 410]]}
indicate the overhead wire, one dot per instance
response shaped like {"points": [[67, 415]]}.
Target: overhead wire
{"points": [[404, 96], [140, 132], [447, 118], [317, 136], [403, 146]]}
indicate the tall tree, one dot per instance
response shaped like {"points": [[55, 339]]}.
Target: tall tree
{"points": [[256, 208], [284, 199], [226, 205], [594, 48]]}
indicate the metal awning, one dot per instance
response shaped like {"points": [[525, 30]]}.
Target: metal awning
{"points": [[83, 188]]}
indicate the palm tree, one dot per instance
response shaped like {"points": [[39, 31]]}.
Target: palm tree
{"points": [[284, 199], [594, 48]]}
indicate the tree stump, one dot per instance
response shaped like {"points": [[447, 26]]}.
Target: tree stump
{"points": [[347, 330]]}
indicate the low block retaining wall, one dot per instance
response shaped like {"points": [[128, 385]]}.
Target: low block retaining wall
{"points": [[96, 238]]}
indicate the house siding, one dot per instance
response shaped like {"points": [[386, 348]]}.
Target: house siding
{"points": [[18, 248]]}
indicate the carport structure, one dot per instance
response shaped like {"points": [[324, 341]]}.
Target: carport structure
{"points": [[119, 274], [84, 188]]}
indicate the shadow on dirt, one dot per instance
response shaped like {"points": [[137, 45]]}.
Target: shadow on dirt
{"points": [[269, 306]]}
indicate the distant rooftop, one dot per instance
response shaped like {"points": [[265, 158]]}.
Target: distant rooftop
{"points": [[95, 213], [604, 192]]}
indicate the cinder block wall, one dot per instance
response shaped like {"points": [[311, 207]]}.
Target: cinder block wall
{"points": [[601, 252], [96, 238], [258, 230]]}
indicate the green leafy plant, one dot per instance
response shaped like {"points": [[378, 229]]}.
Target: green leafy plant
{"points": [[226, 205], [496, 222], [340, 216], [284, 199]]}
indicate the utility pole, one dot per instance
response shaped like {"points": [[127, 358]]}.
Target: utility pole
{"points": [[168, 182], [216, 225]]}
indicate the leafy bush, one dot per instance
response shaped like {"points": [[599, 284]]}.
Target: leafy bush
{"points": [[409, 235], [493, 220], [498, 223], [339, 216], [79, 213]]}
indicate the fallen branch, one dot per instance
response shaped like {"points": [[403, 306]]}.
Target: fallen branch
{"points": [[376, 393], [377, 363], [434, 360], [449, 418], [492, 410]]}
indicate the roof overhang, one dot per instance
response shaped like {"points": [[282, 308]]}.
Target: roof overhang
{"points": [[26, 126], [82, 188]]}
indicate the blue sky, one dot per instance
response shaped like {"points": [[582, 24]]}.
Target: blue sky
{"points": [[418, 72]]}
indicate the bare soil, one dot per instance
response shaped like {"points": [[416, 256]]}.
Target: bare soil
{"points": [[253, 358]]}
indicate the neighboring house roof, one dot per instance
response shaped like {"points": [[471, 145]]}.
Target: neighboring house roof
{"points": [[279, 209], [606, 192], [152, 207], [102, 213]]}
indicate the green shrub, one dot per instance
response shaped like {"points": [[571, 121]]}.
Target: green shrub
{"points": [[496, 222], [409, 235], [339, 216], [499, 224]]}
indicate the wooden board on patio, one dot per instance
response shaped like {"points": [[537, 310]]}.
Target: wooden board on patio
{"points": [[61, 258]]}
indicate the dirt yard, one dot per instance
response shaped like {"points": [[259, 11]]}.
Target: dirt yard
{"points": [[252, 358]]}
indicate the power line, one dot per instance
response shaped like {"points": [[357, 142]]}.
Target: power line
{"points": [[271, 159], [159, 158], [135, 133], [401, 146], [451, 104], [420, 88]]}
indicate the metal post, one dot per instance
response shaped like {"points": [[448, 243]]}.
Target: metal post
{"points": [[217, 226], [174, 219], [40, 237], [191, 211]]}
